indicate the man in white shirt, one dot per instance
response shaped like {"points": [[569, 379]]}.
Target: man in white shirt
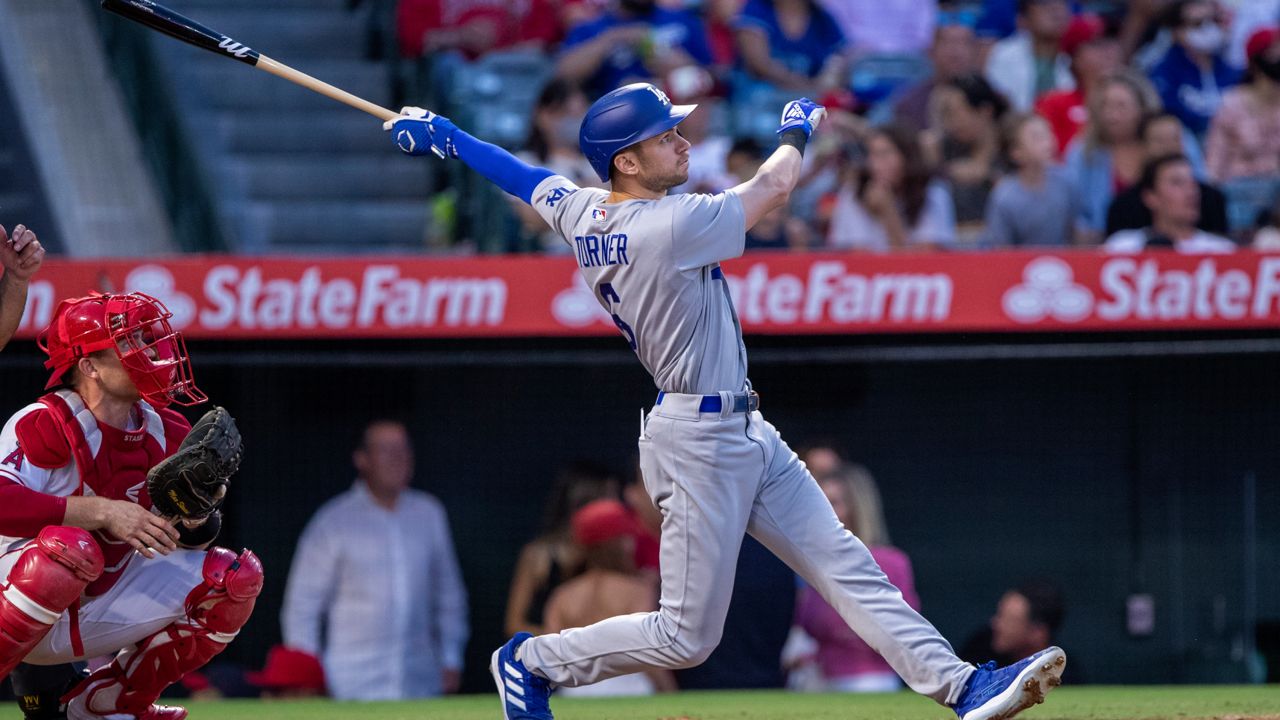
{"points": [[1030, 62], [1170, 190], [375, 575]]}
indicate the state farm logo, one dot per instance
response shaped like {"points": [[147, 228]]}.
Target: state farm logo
{"points": [[828, 292], [576, 306], [1048, 289], [378, 297], [1162, 289], [157, 281]]}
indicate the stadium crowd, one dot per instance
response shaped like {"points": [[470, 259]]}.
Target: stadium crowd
{"points": [[954, 125]]}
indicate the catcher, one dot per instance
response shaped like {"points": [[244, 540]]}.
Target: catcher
{"points": [[108, 501]]}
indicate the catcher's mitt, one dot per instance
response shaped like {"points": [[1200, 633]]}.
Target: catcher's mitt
{"points": [[191, 483]]}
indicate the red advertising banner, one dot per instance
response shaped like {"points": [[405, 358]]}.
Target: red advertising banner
{"points": [[378, 296]]}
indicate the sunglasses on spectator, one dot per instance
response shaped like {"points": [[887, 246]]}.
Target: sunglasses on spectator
{"points": [[1199, 22]]}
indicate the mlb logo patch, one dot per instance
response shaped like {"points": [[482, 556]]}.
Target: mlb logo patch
{"points": [[598, 215]]}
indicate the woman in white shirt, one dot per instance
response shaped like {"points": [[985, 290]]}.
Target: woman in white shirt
{"points": [[894, 202]]}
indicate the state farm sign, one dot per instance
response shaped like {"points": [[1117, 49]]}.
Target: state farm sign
{"points": [[1146, 288], [379, 297], [829, 292], [240, 297]]}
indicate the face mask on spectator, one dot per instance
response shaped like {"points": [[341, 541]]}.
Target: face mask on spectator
{"points": [[1206, 38], [1270, 68]]}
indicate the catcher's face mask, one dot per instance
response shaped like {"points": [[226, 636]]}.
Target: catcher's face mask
{"points": [[136, 327]]}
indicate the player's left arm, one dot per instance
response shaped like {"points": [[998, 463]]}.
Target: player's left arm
{"points": [[21, 255], [772, 184], [418, 132]]}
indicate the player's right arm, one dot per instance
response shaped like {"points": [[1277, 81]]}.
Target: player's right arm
{"points": [[418, 132], [35, 490], [772, 184]]}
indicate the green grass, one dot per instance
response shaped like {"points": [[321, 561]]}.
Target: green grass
{"points": [[1086, 703]]}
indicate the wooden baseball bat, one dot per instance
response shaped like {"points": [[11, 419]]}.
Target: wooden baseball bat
{"points": [[161, 18]]}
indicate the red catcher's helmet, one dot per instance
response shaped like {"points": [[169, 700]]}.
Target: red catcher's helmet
{"points": [[136, 327]]}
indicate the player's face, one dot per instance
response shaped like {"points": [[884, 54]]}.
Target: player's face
{"points": [[107, 372], [385, 461], [663, 161]]}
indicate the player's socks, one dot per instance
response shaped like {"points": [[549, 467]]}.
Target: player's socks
{"points": [[1000, 693], [525, 696]]}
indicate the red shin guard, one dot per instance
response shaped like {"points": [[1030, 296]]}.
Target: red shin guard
{"points": [[48, 578]]}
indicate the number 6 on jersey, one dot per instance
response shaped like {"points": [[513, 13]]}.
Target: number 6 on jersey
{"points": [[610, 297]]}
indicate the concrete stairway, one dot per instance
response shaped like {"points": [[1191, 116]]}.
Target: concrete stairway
{"points": [[293, 171]]}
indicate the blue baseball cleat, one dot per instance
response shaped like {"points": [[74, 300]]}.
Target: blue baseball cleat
{"points": [[524, 695], [997, 694]]}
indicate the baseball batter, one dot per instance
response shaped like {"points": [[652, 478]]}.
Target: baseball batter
{"points": [[711, 462]]}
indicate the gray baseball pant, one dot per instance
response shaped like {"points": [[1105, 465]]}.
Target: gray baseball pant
{"points": [[715, 476]]}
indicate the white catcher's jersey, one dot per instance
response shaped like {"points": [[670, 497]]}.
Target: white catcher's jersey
{"points": [[654, 267]]}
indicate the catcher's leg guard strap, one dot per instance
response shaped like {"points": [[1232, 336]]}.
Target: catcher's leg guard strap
{"points": [[48, 577], [216, 610]]}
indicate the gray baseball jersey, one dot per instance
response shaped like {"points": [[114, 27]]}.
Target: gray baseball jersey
{"points": [[714, 471], [654, 267]]}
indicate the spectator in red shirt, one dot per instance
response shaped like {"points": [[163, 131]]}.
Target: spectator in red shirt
{"points": [[474, 27], [1093, 53]]}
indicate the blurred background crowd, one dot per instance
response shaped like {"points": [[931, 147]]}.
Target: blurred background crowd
{"points": [[954, 125]]}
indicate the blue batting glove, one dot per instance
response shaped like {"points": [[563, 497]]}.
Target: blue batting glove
{"points": [[418, 132], [803, 114]]}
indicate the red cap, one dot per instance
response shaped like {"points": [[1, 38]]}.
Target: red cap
{"points": [[1084, 28], [1260, 40], [601, 521], [289, 669]]}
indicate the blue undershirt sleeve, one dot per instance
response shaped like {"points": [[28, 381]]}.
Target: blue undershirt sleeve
{"points": [[500, 167]]}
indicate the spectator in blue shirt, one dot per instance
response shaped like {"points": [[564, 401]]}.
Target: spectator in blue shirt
{"points": [[792, 44], [1192, 75], [634, 40]]}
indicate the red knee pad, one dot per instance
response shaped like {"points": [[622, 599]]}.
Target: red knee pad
{"points": [[224, 600], [216, 609], [50, 575]]}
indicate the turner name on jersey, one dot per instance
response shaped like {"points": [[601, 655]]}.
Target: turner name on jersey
{"points": [[601, 250]]}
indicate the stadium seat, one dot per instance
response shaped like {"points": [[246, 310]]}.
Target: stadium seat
{"points": [[493, 97]]}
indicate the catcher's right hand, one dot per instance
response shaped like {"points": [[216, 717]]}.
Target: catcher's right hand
{"points": [[191, 483]]}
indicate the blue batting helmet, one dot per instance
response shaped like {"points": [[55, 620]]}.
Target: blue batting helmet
{"points": [[623, 118]]}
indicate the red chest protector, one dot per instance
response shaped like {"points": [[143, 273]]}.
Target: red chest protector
{"points": [[112, 463]]}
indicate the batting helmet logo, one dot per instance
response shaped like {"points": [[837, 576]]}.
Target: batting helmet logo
{"points": [[623, 118]]}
